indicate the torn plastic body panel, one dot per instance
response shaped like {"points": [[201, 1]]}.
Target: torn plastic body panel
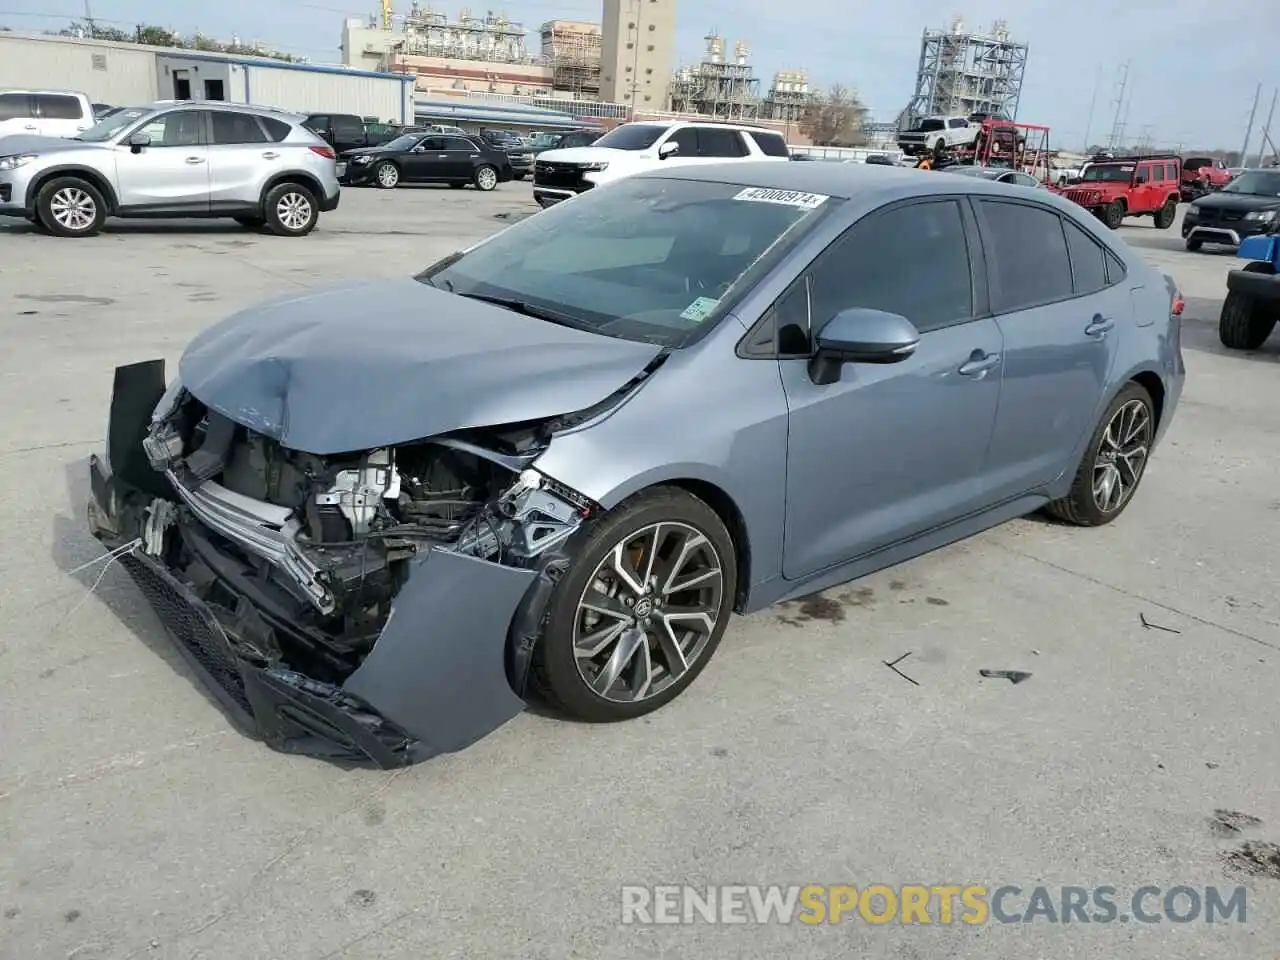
{"points": [[372, 607]]}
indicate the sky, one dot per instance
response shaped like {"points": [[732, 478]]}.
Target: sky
{"points": [[1194, 66]]}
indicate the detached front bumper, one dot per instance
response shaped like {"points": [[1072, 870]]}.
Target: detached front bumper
{"points": [[436, 680]]}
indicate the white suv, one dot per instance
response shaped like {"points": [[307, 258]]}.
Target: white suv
{"points": [[44, 113], [634, 147]]}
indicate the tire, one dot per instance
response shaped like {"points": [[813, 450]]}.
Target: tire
{"points": [[1193, 245], [386, 175], [79, 204], [1165, 215], [561, 678], [939, 147], [1244, 324], [1113, 214], [485, 177], [252, 223], [291, 210], [456, 186], [1083, 506], [519, 176]]}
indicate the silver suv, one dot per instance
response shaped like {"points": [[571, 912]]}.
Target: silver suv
{"points": [[176, 159]]}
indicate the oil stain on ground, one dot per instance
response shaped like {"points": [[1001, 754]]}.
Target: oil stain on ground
{"points": [[820, 606], [1254, 858]]}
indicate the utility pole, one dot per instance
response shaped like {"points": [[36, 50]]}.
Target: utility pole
{"points": [[1117, 125], [1266, 130], [1248, 131], [1093, 102], [88, 19]]}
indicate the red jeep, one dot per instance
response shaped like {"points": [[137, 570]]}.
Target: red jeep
{"points": [[1200, 175], [1130, 187]]}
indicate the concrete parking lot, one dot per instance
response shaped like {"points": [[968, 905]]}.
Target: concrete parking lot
{"points": [[136, 823]]}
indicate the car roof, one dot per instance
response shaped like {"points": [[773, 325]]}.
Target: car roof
{"points": [[850, 181], [222, 105], [700, 123]]}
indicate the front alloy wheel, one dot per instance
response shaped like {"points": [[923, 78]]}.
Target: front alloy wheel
{"points": [[640, 610], [648, 612], [387, 175]]}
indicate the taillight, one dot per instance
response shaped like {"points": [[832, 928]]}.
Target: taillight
{"points": [[326, 152]]}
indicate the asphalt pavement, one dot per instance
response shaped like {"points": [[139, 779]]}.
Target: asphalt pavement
{"points": [[136, 822]]}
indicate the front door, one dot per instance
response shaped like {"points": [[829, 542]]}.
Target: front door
{"points": [[889, 451], [171, 174], [1060, 312], [426, 161]]}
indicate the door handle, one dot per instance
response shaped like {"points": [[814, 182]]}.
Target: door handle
{"points": [[978, 363], [29, 126], [270, 155], [195, 159], [1099, 326], [442, 156]]}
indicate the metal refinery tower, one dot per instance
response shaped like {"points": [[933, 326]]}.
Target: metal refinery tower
{"points": [[962, 73]]}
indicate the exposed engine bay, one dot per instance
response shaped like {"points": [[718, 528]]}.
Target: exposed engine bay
{"points": [[332, 536]]}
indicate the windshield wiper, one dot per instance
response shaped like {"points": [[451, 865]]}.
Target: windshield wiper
{"points": [[530, 310]]}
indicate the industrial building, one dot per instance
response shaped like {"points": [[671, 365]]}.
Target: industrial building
{"points": [[718, 86], [963, 72], [637, 52], [572, 49], [129, 73]]}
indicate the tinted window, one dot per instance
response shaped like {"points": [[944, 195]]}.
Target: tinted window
{"points": [[1088, 260], [458, 143], [277, 130], [229, 128], [956, 124], [1195, 163], [1115, 269], [687, 137], [15, 106], [720, 142], [912, 260], [348, 128], [319, 124], [1030, 255], [1171, 171], [1157, 173], [633, 136], [771, 144], [928, 125], [408, 143], [55, 107]]}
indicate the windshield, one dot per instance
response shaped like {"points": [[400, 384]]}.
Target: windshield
{"points": [[632, 136], [1259, 183], [1195, 163], [1109, 173], [112, 124], [641, 259], [405, 142], [926, 126], [545, 140]]}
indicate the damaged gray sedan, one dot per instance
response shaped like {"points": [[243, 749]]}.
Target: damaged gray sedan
{"points": [[377, 518]]}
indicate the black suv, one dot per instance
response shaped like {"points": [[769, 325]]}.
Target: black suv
{"points": [[1245, 207], [518, 152]]}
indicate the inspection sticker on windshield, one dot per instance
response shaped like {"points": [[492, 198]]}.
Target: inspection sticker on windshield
{"points": [[791, 198], [698, 310]]}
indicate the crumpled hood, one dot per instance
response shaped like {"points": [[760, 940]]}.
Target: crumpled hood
{"points": [[370, 365]]}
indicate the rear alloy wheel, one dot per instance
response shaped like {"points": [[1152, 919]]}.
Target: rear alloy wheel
{"points": [[1113, 463], [486, 178], [387, 175], [641, 609], [70, 207], [1113, 214], [1165, 215], [291, 210]]}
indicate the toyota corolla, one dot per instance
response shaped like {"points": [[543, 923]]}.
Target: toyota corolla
{"points": [[377, 518]]}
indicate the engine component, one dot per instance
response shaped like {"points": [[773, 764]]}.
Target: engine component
{"points": [[530, 519], [358, 494]]}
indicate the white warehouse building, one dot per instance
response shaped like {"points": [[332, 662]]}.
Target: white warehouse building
{"points": [[129, 74]]}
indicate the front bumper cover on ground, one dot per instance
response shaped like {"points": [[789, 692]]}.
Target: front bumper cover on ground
{"points": [[435, 681]]}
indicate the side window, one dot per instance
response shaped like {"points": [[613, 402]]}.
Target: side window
{"points": [[459, 144], [687, 137], [15, 106], [1157, 173], [233, 128], [1088, 260], [1143, 175], [181, 128], [957, 124], [347, 129], [770, 144], [1171, 171], [277, 130], [1115, 268], [432, 143], [720, 142], [911, 260], [320, 124], [53, 106], [1029, 253]]}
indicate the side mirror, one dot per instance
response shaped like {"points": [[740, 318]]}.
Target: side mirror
{"points": [[668, 149], [419, 149], [139, 140], [859, 335]]}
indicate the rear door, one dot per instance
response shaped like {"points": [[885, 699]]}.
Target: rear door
{"points": [[18, 114], [460, 158], [241, 158], [61, 114], [1061, 320], [718, 144]]}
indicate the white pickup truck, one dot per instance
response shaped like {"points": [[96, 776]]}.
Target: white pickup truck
{"points": [[937, 133]]}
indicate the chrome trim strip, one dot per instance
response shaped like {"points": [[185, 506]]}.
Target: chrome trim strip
{"points": [[1235, 237]]}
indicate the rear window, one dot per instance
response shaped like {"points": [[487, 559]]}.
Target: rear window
{"points": [[770, 144], [927, 126], [277, 130], [1195, 163], [53, 106]]}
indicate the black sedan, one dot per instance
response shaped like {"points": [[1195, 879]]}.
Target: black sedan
{"points": [[426, 158]]}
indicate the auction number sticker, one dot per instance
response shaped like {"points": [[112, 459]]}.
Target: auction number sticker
{"points": [[790, 198], [699, 309]]}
